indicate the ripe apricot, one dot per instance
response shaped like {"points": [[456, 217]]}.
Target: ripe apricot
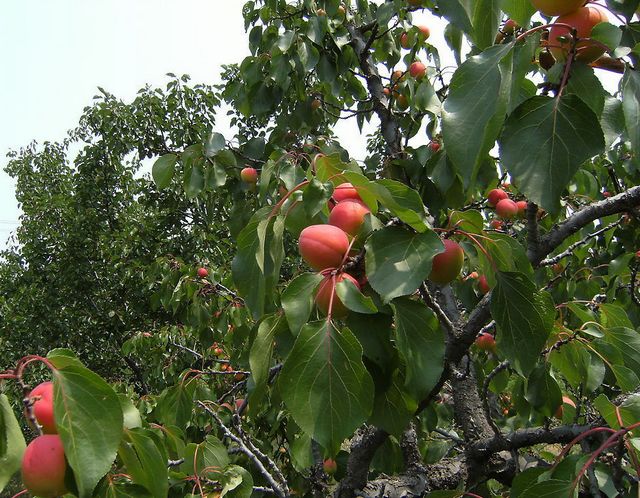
{"points": [[326, 289], [345, 191], [417, 70], [583, 20], [566, 400], [483, 285], [323, 246], [249, 175], [349, 216], [556, 7], [44, 466], [486, 342], [446, 266], [42, 396], [507, 209], [496, 195]]}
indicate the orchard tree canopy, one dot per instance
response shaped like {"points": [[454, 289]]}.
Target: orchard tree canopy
{"points": [[457, 314]]}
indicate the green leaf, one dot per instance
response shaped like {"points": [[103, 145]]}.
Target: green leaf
{"points": [[553, 488], [398, 261], [607, 34], [585, 84], [175, 404], [297, 300], [193, 180], [216, 175], [403, 202], [163, 170], [145, 460], [325, 385], [130, 414], [113, 489], [236, 482], [485, 17], [627, 342], [89, 420], [12, 444], [612, 120], [519, 10], [420, 341], [543, 392], [208, 456], [454, 12], [544, 143], [353, 299], [260, 356], [256, 266], [631, 107], [524, 317], [474, 110], [215, 143], [393, 408]]}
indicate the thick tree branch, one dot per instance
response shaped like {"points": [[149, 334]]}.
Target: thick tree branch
{"points": [[626, 201]]}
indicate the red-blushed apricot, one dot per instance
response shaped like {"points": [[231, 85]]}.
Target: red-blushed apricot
{"points": [[583, 20], [323, 246], [446, 266], [497, 224], [506, 209], [483, 285], [397, 76], [434, 146], [345, 191], [42, 396], [417, 70], [403, 102], [557, 7], [404, 40], [326, 289], [486, 342], [203, 272], [509, 26], [349, 216], [249, 175], [424, 32], [496, 195], [566, 400], [330, 466], [522, 208], [44, 466]]}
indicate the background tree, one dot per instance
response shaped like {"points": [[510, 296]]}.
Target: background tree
{"points": [[365, 376]]}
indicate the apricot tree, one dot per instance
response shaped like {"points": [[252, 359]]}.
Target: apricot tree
{"points": [[379, 331]]}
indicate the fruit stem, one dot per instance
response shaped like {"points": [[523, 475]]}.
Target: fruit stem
{"points": [[23, 492], [279, 204], [544, 26], [333, 293]]}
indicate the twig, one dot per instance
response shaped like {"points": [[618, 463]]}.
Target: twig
{"points": [[435, 307], [569, 250], [278, 490]]}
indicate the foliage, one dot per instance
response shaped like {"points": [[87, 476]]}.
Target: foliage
{"points": [[247, 388]]}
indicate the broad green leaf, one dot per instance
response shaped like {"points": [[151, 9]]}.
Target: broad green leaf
{"points": [[631, 107], [524, 317], [543, 392], [607, 34], [113, 489], [393, 408], [485, 17], [566, 133], [474, 110], [519, 10], [297, 300], [209, 456], [12, 444], [163, 170], [325, 385], [215, 143], [236, 482], [130, 414], [90, 423], [330, 167], [145, 461], [454, 12], [353, 299], [260, 356], [627, 342], [398, 261], [585, 84], [175, 404], [553, 488], [403, 202], [612, 120], [216, 176], [420, 341], [256, 266], [193, 180]]}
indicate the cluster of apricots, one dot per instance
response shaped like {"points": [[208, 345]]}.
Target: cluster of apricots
{"points": [[43, 465], [504, 206], [415, 36], [574, 19], [325, 247]]}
